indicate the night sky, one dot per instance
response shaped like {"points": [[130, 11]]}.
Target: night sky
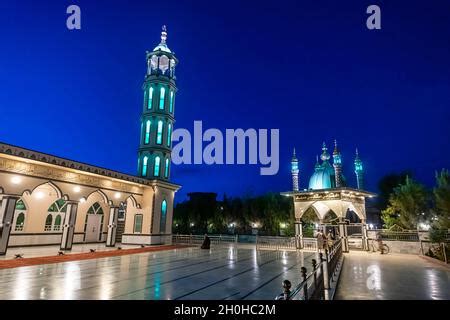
{"points": [[309, 68]]}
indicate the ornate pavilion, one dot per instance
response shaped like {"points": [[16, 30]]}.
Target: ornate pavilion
{"points": [[328, 192]]}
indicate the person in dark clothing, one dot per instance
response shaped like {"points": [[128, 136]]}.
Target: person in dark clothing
{"points": [[206, 243]]}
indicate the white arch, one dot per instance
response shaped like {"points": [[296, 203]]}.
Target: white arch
{"points": [[54, 187], [101, 193]]}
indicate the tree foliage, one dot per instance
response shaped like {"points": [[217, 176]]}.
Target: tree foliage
{"points": [[271, 214], [408, 205], [442, 199]]}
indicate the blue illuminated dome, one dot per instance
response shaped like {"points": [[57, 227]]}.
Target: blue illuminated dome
{"points": [[323, 177]]}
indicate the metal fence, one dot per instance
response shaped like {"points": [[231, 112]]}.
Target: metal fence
{"points": [[318, 284], [276, 243], [198, 239], [310, 244]]}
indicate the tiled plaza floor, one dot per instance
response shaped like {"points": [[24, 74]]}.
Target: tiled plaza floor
{"points": [[229, 272], [373, 276]]}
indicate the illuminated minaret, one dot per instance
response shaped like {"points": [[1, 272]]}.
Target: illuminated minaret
{"points": [[337, 164], [157, 119], [359, 171], [294, 171]]}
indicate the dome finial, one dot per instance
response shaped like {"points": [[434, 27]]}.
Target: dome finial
{"points": [[324, 156], [163, 34]]}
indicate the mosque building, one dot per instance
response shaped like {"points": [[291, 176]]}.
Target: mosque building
{"points": [[328, 192], [49, 200]]}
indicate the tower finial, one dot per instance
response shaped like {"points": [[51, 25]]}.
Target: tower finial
{"points": [[336, 149], [324, 156], [294, 152], [163, 34]]}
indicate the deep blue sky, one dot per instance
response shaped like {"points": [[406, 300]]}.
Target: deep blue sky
{"points": [[310, 68]]}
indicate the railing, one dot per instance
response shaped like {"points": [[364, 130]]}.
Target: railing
{"points": [[276, 243], [321, 282], [198, 239], [310, 244]]}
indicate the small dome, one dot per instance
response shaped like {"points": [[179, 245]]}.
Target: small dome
{"points": [[162, 47], [323, 177]]}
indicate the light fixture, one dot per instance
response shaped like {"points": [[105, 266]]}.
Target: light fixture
{"points": [[82, 200], [40, 195], [16, 180], [77, 189], [117, 195]]}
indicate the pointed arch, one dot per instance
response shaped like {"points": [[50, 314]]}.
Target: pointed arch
{"points": [[133, 201], [101, 193], [58, 191]]}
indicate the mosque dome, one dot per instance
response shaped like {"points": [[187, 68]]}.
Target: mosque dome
{"points": [[323, 177]]}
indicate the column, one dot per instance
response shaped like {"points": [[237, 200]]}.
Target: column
{"points": [[299, 233], [365, 238], [69, 225], [112, 226], [7, 215], [343, 234]]}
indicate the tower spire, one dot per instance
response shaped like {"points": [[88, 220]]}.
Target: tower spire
{"points": [[324, 156], [337, 164], [164, 34], [359, 171], [295, 172]]}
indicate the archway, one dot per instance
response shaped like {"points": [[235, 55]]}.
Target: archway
{"points": [[93, 224]]}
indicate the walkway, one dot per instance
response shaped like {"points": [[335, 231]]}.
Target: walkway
{"points": [[228, 272], [373, 276]]}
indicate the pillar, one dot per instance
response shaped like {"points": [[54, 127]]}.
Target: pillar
{"points": [[343, 234], [7, 215], [69, 225], [112, 226], [365, 238], [299, 234]]}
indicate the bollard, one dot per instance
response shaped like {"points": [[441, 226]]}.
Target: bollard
{"points": [[326, 281], [287, 289], [314, 264], [305, 285]]}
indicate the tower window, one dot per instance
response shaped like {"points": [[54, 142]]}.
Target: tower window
{"points": [[147, 132], [157, 165], [150, 98], [171, 102], [162, 95], [144, 166], [162, 224], [169, 135], [159, 133], [166, 168]]}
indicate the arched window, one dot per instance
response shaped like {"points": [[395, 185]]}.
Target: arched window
{"points": [[144, 166], [57, 225], [147, 131], [159, 132], [166, 168], [162, 224], [171, 102], [20, 205], [20, 221], [162, 95], [150, 98], [156, 168], [48, 223], [169, 134]]}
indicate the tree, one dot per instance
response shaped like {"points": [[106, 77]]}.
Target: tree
{"points": [[407, 205], [442, 199], [386, 186]]}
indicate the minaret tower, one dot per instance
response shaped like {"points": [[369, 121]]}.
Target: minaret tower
{"points": [[337, 164], [157, 119], [359, 171], [295, 171]]}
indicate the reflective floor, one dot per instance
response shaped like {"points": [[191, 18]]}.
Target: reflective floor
{"points": [[392, 277], [234, 272]]}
